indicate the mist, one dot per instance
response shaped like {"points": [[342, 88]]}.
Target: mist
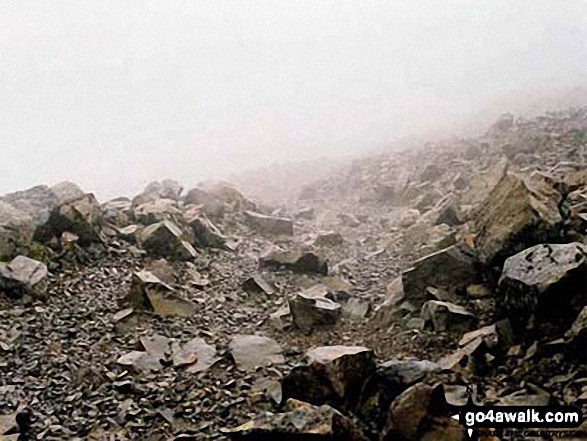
{"points": [[112, 95]]}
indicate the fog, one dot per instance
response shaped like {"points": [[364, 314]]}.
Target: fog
{"points": [[114, 94]]}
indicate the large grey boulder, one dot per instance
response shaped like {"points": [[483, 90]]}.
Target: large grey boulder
{"points": [[166, 189], [16, 231], [165, 240], [67, 191], [23, 277], [547, 282], [157, 210]]}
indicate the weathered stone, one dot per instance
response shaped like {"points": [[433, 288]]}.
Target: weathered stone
{"points": [[67, 191], [148, 292], [23, 277], [82, 217], [463, 357], [348, 220], [16, 231], [329, 239], [37, 202], [206, 233], [301, 421], [257, 285], [118, 212], [199, 196], [445, 316], [269, 224], [446, 211], [545, 281], [334, 375], [451, 269], [517, 214], [483, 182], [295, 260], [497, 337], [409, 218], [166, 189], [313, 308], [156, 211], [531, 396], [356, 309], [163, 240], [410, 413], [388, 311], [280, 318], [253, 351], [422, 238], [305, 213]]}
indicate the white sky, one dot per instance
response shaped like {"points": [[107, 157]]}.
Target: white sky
{"points": [[113, 94]]}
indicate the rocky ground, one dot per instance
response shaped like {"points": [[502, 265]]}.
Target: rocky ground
{"points": [[358, 309]]}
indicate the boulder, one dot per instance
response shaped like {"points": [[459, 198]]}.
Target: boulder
{"points": [[16, 231], [348, 220], [328, 239], [482, 182], [451, 269], [546, 282], [67, 191], [23, 277], [257, 285], [157, 210], [37, 202], [301, 421], [388, 311], [165, 240], [518, 213], [166, 189], [445, 316], [409, 218], [118, 212], [411, 412], [422, 238], [334, 375], [314, 307], [150, 293], [206, 233], [269, 224], [82, 217], [295, 260], [253, 351]]}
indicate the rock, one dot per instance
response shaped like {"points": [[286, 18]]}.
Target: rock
{"points": [[451, 269], [305, 213], [67, 191], [207, 234], [129, 233], [166, 189], [334, 375], [348, 220], [301, 421], [431, 172], [483, 182], [545, 281], [409, 218], [531, 396], [252, 351], [279, 320], [163, 240], [36, 202], [313, 308], [518, 213], [577, 335], [16, 231], [257, 285], [446, 211], [444, 429], [356, 309], [464, 357], [410, 413], [82, 217], [118, 212], [445, 316], [497, 337], [199, 196], [388, 311], [328, 239], [148, 292], [23, 277], [295, 260], [477, 291], [156, 211], [422, 238], [163, 270], [269, 224]]}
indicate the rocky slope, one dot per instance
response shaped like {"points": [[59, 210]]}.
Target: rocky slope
{"points": [[360, 310]]}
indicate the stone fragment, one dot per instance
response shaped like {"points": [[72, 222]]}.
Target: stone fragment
{"points": [[296, 260], [158, 210], [334, 374], [348, 220], [206, 233], [268, 224], [546, 282], [253, 351], [329, 239], [23, 276], [163, 240], [517, 214], [356, 309], [301, 421], [257, 285], [445, 316], [313, 308], [409, 218]]}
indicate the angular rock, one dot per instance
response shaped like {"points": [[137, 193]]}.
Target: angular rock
{"points": [[118, 212], [301, 421], [16, 231], [422, 238], [445, 316], [517, 214], [207, 234], [313, 308], [388, 311], [409, 218], [328, 239], [67, 191], [545, 281], [410, 414], [166, 189], [253, 351], [82, 217], [156, 211], [497, 337], [348, 220], [269, 224], [334, 375], [356, 309], [257, 285], [305, 213], [148, 292], [163, 240], [451, 269], [297, 261], [23, 277]]}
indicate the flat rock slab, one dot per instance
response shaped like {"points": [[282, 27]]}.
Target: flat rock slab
{"points": [[23, 276], [253, 351], [269, 224], [446, 316]]}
